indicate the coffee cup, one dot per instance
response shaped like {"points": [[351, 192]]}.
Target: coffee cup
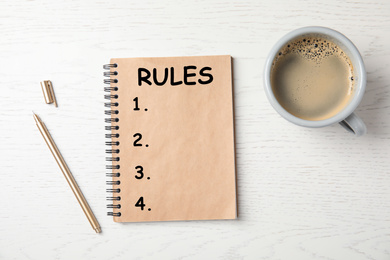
{"points": [[315, 77]]}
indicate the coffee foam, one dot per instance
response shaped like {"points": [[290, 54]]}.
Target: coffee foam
{"points": [[314, 48], [312, 78]]}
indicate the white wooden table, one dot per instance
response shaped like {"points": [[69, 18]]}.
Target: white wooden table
{"points": [[302, 193]]}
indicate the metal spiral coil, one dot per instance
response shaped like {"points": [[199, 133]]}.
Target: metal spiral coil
{"points": [[108, 89], [112, 167], [112, 143], [111, 112], [113, 182], [112, 126], [113, 174], [112, 150], [113, 198], [115, 104], [111, 206], [109, 66], [109, 120], [112, 159], [110, 96], [108, 81], [112, 135], [114, 190], [114, 214], [110, 73]]}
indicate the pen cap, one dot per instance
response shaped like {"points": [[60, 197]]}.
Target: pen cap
{"points": [[47, 89]]}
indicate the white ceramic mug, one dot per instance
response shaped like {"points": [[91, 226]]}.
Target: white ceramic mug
{"points": [[346, 117]]}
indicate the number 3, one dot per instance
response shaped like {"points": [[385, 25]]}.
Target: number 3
{"points": [[141, 174]]}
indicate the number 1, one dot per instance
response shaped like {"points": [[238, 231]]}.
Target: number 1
{"points": [[136, 104]]}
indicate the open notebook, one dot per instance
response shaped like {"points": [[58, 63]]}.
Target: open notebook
{"points": [[172, 139]]}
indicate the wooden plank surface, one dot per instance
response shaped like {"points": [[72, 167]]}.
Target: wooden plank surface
{"points": [[303, 193]]}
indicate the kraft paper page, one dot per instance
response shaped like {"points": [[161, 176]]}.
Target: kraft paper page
{"points": [[176, 141]]}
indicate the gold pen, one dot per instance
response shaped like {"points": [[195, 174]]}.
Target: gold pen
{"points": [[68, 175]]}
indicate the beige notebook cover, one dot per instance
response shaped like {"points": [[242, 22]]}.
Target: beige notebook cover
{"points": [[176, 155]]}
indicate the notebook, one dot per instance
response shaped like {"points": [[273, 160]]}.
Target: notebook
{"points": [[171, 139]]}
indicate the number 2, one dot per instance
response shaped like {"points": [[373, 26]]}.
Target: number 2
{"points": [[137, 140]]}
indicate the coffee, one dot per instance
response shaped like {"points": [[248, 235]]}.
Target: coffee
{"points": [[312, 78]]}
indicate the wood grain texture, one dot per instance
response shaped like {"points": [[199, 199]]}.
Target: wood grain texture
{"points": [[302, 193]]}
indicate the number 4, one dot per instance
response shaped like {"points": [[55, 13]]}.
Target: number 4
{"points": [[140, 203]]}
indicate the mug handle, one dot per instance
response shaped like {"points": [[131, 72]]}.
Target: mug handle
{"points": [[354, 124]]}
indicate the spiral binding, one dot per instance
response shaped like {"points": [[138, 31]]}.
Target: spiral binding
{"points": [[112, 120]]}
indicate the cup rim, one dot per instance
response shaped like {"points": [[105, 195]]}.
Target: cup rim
{"points": [[357, 63]]}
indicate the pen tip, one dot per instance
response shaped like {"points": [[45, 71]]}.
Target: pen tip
{"points": [[36, 117]]}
